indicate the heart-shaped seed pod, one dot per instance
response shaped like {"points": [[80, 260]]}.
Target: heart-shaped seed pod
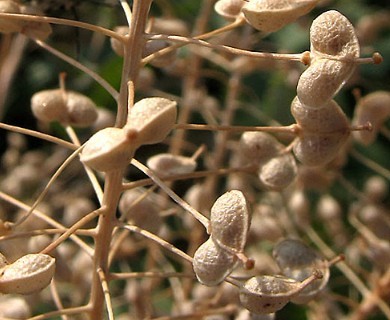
{"points": [[319, 149], [230, 221], [34, 29], [138, 208], [66, 107], [268, 294], [82, 111], [272, 15], [332, 34], [373, 108], [166, 164], [110, 149], [212, 264], [298, 261], [153, 118], [229, 9], [49, 106], [8, 25], [31, 273], [320, 82], [259, 146], [278, 173], [330, 118]]}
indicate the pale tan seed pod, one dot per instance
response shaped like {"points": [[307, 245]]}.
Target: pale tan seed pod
{"points": [[116, 45], [272, 15], [321, 81], [8, 25], [212, 264], [166, 164], [81, 110], [230, 220], [298, 261], [153, 119], [331, 33], [299, 206], [245, 314], [110, 149], [139, 210], [169, 25], [376, 188], [105, 118], [265, 225], [268, 294], [370, 26], [278, 173], [229, 9], [259, 146], [31, 273], [34, 29], [319, 149], [76, 209], [373, 108], [328, 119], [14, 307], [49, 105]]}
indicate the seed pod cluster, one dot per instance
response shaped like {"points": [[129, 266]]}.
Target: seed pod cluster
{"points": [[30, 273], [323, 132], [67, 107], [149, 122], [215, 259], [334, 49], [276, 170], [272, 15]]}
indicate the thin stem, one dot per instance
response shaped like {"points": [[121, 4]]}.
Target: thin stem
{"points": [[81, 67], [201, 218], [39, 135], [127, 11], [69, 311], [148, 274], [56, 297], [158, 240], [107, 295], [300, 57], [370, 164], [292, 129]]}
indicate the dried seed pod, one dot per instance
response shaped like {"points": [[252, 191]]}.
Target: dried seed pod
{"points": [[229, 9], [66, 107], [376, 188], [319, 149], [245, 314], [259, 146], [3, 261], [331, 33], [14, 307], [110, 149], [299, 205], [321, 81], [139, 210], [328, 119], [212, 264], [169, 25], [35, 29], [166, 164], [153, 46], [82, 111], [298, 261], [230, 221], [268, 294], [279, 172], [272, 15], [116, 45], [153, 118], [8, 25], [49, 105], [31, 273], [373, 108]]}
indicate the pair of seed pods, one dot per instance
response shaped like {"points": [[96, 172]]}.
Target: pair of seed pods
{"points": [[215, 259]]}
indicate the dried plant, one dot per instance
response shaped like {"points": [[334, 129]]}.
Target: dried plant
{"points": [[169, 160]]}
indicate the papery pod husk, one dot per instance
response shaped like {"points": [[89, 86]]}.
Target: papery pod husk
{"points": [[212, 264], [10, 25], [30, 273], [153, 118], [272, 15], [230, 220]]}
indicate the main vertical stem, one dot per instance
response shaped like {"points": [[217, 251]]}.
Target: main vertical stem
{"points": [[113, 180]]}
